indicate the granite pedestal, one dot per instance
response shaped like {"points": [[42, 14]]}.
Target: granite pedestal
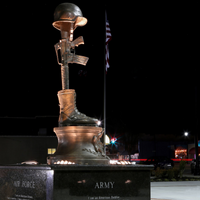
{"points": [[19, 182], [75, 182]]}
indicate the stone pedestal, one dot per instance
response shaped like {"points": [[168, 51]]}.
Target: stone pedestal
{"points": [[80, 145], [75, 182], [20, 182], [102, 182]]}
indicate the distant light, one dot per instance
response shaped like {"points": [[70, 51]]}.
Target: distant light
{"points": [[63, 162], [186, 134], [118, 162], [99, 123], [113, 140], [107, 140]]}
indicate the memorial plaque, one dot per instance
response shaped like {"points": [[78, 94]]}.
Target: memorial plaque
{"points": [[75, 182], [26, 183], [102, 182]]}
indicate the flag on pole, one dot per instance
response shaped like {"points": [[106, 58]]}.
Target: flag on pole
{"points": [[108, 38]]}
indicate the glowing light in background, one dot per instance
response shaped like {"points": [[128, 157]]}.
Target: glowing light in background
{"points": [[113, 140], [107, 140], [186, 134], [64, 162], [118, 162]]}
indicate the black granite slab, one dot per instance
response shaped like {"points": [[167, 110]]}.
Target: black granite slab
{"points": [[102, 182], [75, 182], [26, 183]]}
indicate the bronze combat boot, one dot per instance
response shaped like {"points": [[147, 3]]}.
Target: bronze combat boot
{"points": [[69, 114]]}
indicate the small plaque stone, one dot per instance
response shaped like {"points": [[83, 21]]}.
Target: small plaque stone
{"points": [[26, 183]]}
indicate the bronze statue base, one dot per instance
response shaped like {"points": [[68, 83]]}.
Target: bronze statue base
{"points": [[78, 145]]}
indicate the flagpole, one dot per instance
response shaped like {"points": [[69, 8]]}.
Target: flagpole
{"points": [[104, 139]]}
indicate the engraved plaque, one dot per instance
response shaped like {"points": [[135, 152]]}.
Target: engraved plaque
{"points": [[102, 182], [26, 183]]}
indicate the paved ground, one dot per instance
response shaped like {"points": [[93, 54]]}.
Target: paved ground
{"points": [[180, 190]]}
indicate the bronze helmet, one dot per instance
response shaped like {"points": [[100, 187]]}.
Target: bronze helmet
{"points": [[68, 12]]}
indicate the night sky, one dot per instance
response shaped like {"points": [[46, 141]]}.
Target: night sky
{"points": [[154, 61]]}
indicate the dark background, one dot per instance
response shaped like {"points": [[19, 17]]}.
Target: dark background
{"points": [[154, 61]]}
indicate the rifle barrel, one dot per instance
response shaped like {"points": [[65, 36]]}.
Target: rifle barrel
{"points": [[65, 76]]}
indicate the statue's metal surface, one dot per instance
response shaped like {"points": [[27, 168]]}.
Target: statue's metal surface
{"points": [[67, 17], [77, 144], [69, 114], [67, 50], [78, 135]]}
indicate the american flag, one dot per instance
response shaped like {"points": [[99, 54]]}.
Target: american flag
{"points": [[108, 38]]}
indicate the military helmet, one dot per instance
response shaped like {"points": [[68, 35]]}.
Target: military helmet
{"points": [[68, 12]]}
